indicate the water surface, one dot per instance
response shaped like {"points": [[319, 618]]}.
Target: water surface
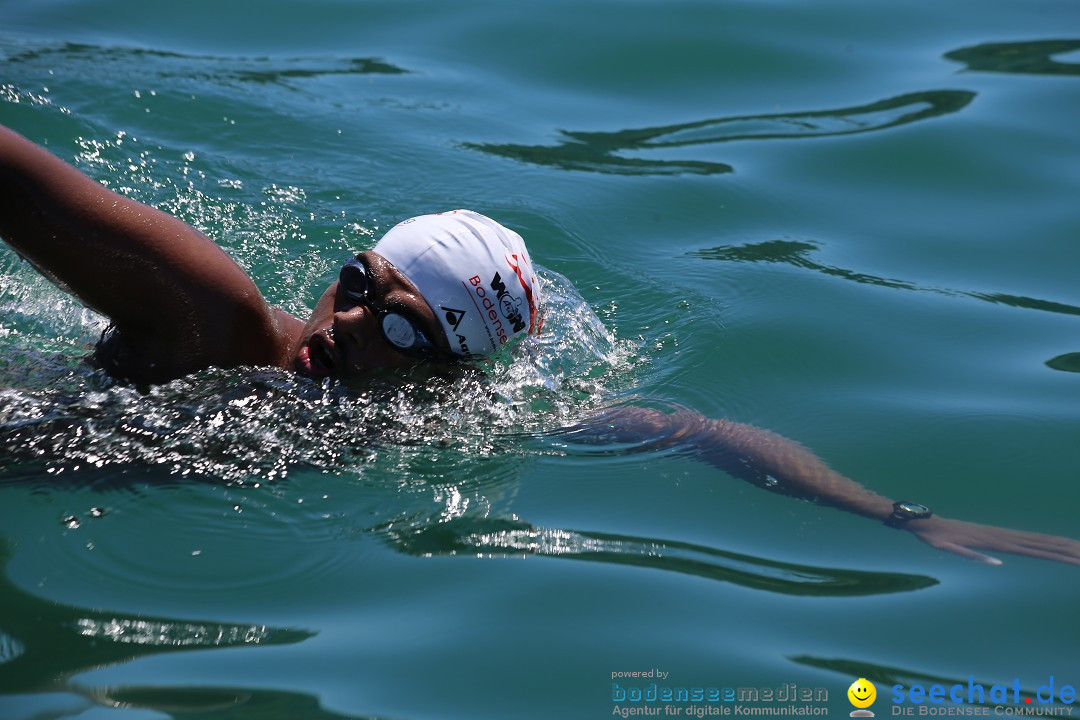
{"points": [[854, 224]]}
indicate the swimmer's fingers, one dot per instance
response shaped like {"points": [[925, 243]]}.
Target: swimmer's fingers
{"points": [[964, 552], [962, 538], [1049, 547]]}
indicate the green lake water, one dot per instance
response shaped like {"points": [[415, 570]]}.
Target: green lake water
{"points": [[856, 224]]}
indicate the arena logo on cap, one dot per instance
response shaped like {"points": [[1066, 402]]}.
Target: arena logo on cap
{"points": [[454, 318]]}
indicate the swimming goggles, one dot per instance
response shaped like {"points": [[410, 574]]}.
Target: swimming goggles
{"points": [[401, 331]]}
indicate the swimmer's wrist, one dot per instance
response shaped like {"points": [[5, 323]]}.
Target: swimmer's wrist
{"points": [[905, 512]]}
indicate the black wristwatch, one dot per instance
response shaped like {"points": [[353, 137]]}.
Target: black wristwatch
{"points": [[904, 511]]}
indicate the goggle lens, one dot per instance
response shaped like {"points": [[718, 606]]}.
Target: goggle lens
{"points": [[353, 279], [399, 330]]}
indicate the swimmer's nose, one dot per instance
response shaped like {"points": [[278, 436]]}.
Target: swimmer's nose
{"points": [[355, 326]]}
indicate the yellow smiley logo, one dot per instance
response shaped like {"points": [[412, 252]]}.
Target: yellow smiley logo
{"points": [[862, 693]]}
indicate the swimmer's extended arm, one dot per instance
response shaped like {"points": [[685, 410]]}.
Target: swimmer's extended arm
{"points": [[166, 286], [782, 465]]}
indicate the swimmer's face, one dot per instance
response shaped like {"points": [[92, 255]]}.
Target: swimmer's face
{"points": [[343, 339]]}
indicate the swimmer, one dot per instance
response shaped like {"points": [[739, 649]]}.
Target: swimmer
{"points": [[435, 289]]}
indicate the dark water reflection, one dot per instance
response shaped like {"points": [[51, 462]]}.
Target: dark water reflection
{"points": [[1067, 362], [1033, 57], [228, 704], [797, 253], [504, 537], [595, 151], [257, 69], [44, 644]]}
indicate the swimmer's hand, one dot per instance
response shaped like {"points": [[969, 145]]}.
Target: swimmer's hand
{"points": [[961, 538]]}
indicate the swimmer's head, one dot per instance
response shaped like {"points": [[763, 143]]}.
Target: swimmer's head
{"points": [[474, 274], [436, 287]]}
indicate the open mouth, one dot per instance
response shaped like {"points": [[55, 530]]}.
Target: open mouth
{"points": [[317, 358]]}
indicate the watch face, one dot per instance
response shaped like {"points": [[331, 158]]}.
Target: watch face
{"points": [[912, 509]]}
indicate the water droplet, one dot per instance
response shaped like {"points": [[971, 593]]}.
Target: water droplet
{"points": [[97, 512], [71, 522], [770, 481]]}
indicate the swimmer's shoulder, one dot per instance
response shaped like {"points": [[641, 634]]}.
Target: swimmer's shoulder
{"points": [[141, 360]]}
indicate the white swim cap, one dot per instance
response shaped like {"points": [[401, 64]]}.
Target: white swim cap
{"points": [[475, 274]]}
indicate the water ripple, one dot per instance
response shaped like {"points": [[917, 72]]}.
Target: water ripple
{"points": [[595, 151], [797, 253], [504, 537], [1032, 57], [261, 70], [32, 630]]}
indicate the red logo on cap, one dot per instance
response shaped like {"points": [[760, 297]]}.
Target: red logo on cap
{"points": [[534, 327]]}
